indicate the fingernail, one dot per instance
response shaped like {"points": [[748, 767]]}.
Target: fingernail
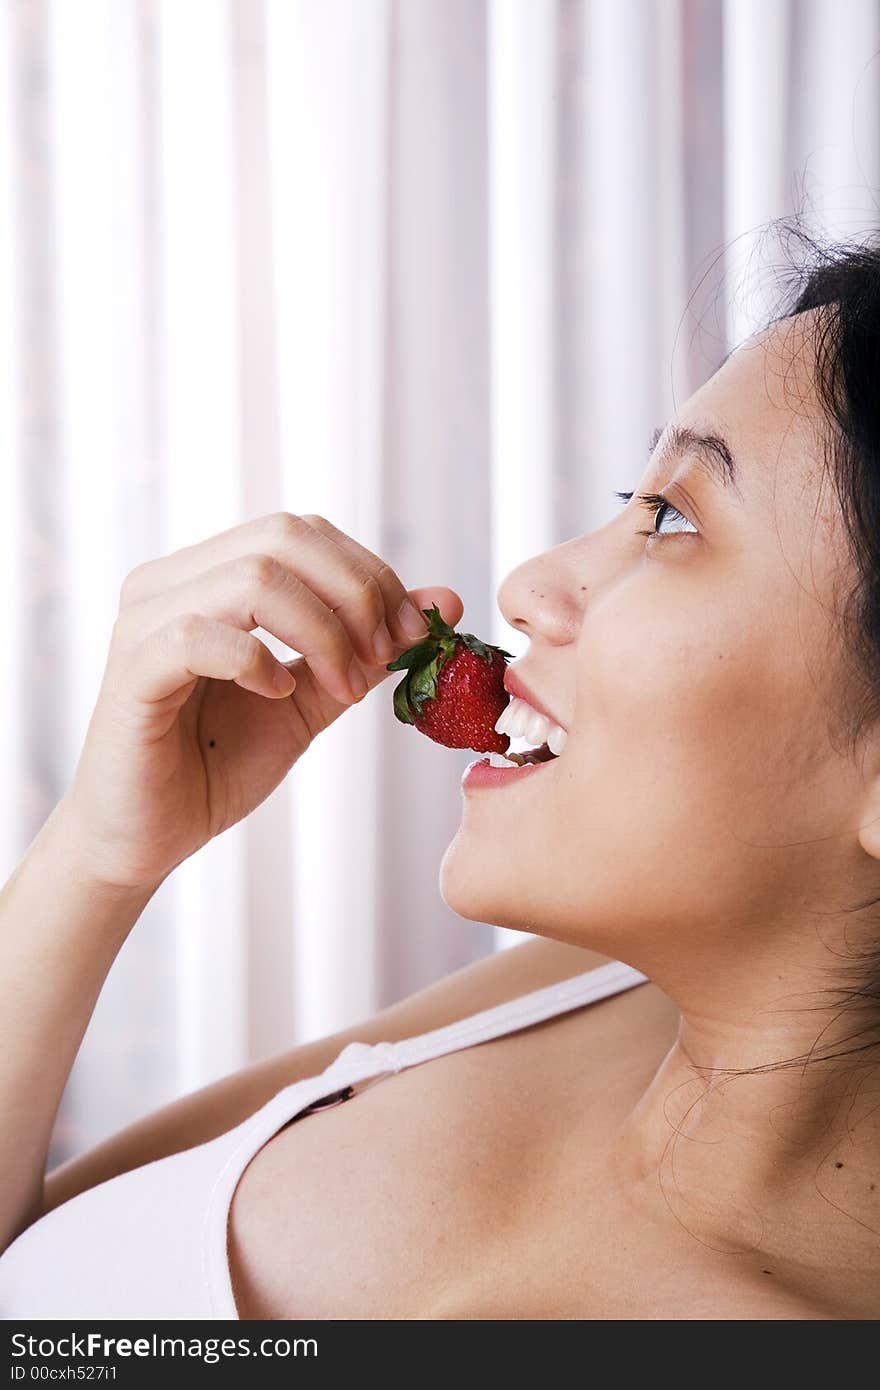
{"points": [[356, 680], [382, 643], [411, 620], [284, 681]]}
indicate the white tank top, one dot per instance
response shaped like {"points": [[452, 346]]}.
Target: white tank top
{"points": [[151, 1243]]}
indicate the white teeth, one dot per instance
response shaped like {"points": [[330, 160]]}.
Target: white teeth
{"points": [[556, 740], [499, 760], [519, 720], [537, 729]]}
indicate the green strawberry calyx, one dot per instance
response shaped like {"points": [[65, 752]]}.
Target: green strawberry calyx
{"points": [[424, 662]]}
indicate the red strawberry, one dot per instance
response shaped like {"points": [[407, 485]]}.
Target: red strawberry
{"points": [[454, 688]]}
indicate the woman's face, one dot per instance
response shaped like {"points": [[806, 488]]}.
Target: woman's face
{"points": [[701, 793]]}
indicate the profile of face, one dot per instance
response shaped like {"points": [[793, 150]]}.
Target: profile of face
{"points": [[705, 806]]}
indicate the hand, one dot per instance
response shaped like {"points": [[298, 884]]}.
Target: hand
{"points": [[190, 732]]}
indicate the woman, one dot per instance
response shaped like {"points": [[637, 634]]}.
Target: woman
{"points": [[665, 1105]]}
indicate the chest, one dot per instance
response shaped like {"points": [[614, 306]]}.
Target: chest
{"points": [[458, 1184]]}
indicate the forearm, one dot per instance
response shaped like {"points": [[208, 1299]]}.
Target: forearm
{"points": [[59, 936]]}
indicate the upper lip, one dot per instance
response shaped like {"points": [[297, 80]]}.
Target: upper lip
{"points": [[519, 690]]}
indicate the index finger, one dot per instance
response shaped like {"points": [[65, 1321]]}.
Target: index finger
{"points": [[405, 628], [275, 534]]}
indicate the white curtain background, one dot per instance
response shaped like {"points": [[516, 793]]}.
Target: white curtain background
{"points": [[434, 269]]}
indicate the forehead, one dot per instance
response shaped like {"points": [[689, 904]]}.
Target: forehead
{"points": [[764, 401]]}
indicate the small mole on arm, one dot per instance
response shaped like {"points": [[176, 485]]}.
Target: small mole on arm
{"points": [[838, 1165], [766, 1271], [211, 743]]}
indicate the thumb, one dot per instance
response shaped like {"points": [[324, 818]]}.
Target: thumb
{"points": [[451, 611], [447, 600]]}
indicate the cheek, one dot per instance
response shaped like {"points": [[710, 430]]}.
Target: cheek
{"points": [[701, 720], [664, 678], [686, 779]]}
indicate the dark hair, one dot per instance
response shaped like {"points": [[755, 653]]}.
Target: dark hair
{"points": [[842, 281]]}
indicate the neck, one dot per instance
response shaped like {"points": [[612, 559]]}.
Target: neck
{"points": [[780, 1164]]}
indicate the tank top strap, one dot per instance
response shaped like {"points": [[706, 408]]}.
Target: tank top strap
{"points": [[513, 1014]]}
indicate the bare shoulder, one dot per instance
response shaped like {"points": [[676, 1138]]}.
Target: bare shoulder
{"points": [[494, 980], [204, 1114], [647, 1011]]}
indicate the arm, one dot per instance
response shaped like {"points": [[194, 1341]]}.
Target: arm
{"points": [[59, 936], [195, 724], [206, 1113]]}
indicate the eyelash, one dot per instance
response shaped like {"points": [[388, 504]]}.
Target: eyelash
{"points": [[655, 502]]}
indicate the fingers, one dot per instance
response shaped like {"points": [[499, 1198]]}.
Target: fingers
{"points": [[259, 591], [316, 551], [192, 645], [331, 600], [405, 627]]}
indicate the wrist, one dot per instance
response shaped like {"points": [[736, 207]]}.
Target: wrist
{"points": [[60, 843]]}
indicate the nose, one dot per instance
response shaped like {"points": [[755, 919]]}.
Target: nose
{"points": [[539, 598]]}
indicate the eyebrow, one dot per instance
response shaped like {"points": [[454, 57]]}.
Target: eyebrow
{"points": [[713, 452]]}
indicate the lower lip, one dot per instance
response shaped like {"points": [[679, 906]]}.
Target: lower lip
{"points": [[481, 773]]}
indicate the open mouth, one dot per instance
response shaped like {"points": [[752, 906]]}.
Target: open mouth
{"points": [[543, 754], [525, 725]]}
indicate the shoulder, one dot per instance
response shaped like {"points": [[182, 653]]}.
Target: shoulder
{"points": [[205, 1114], [631, 1025], [484, 984]]}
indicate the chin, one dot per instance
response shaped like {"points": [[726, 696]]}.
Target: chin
{"points": [[483, 888]]}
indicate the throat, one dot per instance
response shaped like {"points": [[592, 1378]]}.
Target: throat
{"points": [[760, 1167]]}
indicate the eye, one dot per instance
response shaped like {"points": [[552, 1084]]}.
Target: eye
{"points": [[660, 508]]}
